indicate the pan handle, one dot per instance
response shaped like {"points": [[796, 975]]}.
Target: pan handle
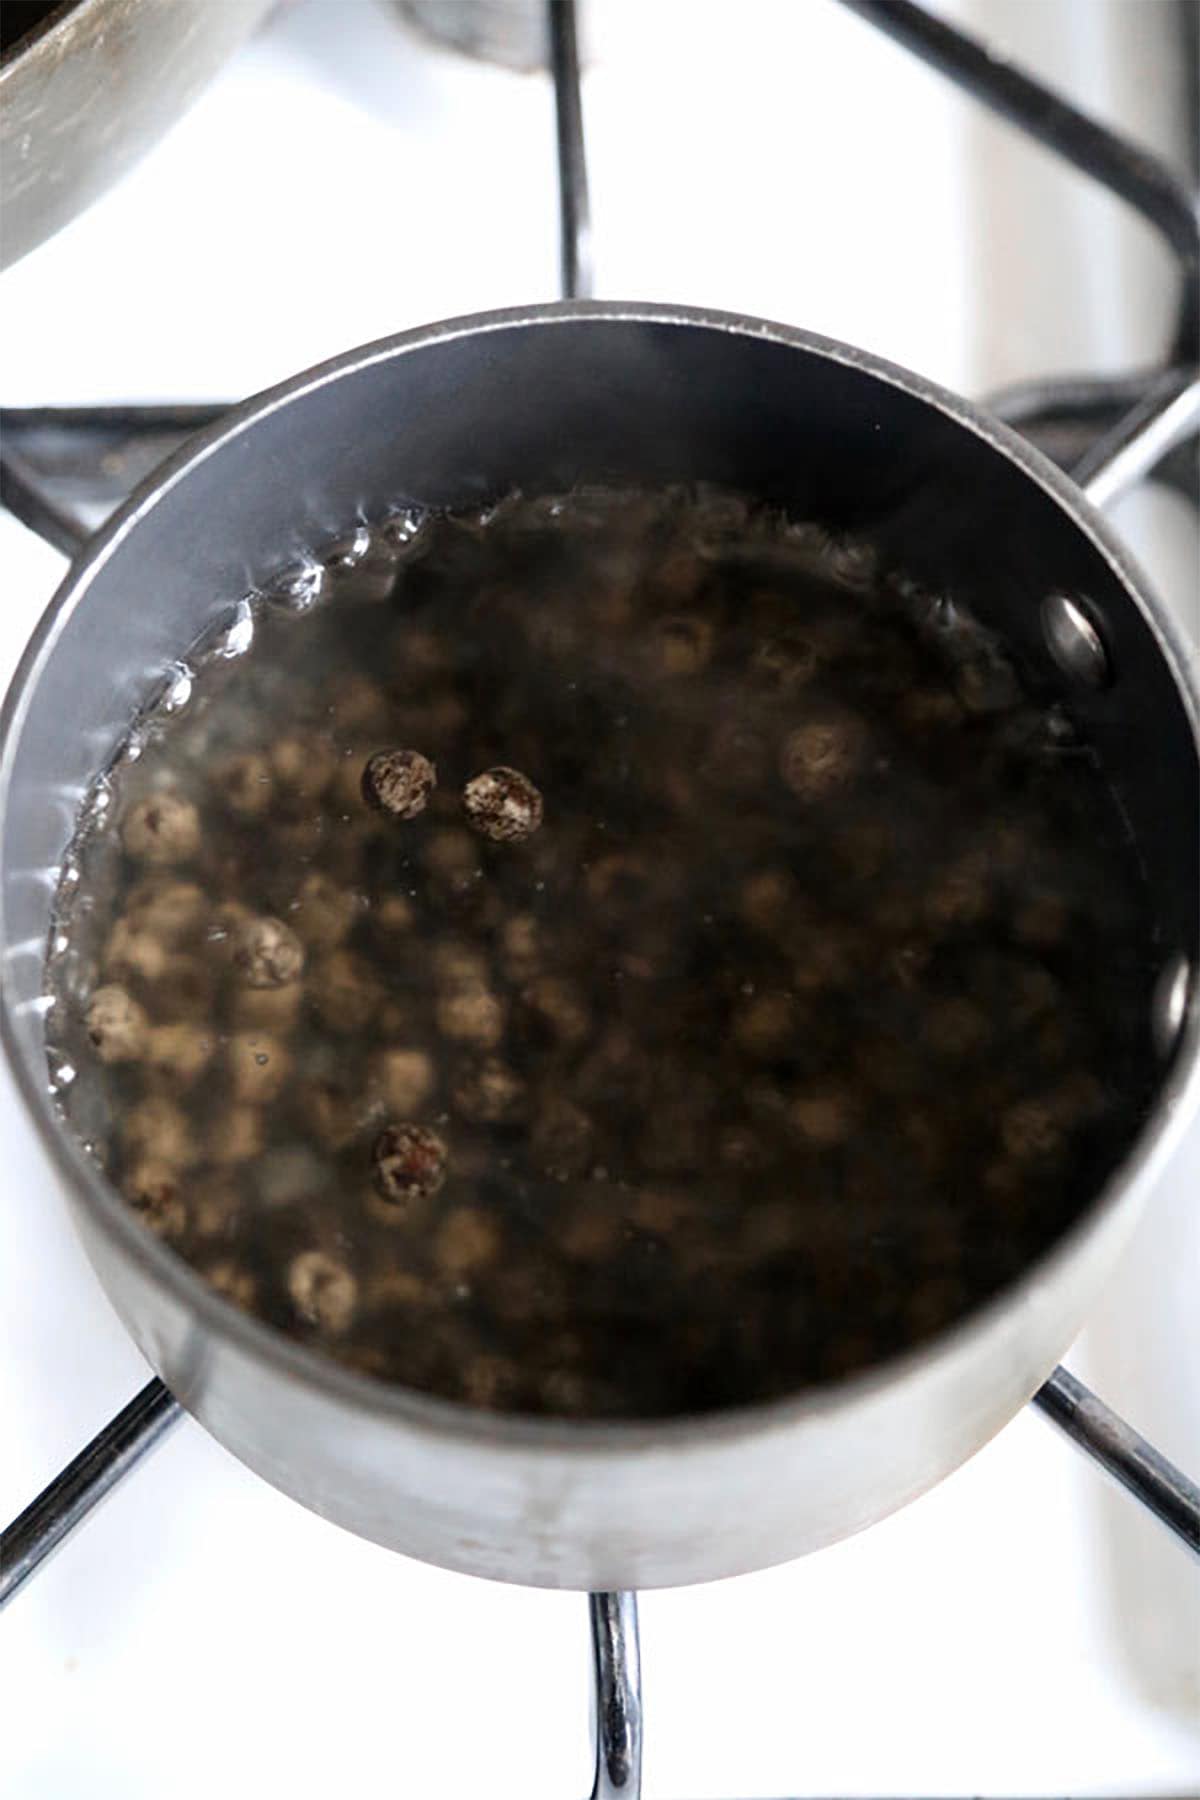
{"points": [[1133, 447]]}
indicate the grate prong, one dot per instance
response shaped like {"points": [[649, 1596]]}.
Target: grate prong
{"points": [[574, 213], [73, 1495], [1123, 1454], [617, 1696]]}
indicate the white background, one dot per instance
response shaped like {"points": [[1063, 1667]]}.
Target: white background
{"points": [[1013, 1632]]}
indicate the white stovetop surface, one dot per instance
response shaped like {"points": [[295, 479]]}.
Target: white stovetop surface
{"points": [[1011, 1633]]}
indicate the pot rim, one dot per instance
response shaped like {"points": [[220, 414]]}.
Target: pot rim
{"points": [[1178, 1100]]}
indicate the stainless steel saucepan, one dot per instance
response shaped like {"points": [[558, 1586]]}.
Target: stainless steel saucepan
{"points": [[540, 399]]}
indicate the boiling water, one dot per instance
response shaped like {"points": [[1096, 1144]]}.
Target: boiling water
{"points": [[812, 1009]]}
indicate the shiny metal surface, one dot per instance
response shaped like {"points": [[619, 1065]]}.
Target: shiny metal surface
{"points": [[84, 97], [1167, 416], [1074, 642], [541, 397], [1124, 1454], [46, 1524], [1171, 1004], [575, 224], [1064, 418], [616, 1696]]}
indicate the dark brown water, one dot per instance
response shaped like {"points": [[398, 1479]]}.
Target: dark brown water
{"points": [[811, 1010]]}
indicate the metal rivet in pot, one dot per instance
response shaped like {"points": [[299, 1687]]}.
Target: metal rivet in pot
{"points": [[1075, 642], [1170, 1004]]}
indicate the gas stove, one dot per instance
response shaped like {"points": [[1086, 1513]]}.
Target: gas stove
{"points": [[1020, 1629]]}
